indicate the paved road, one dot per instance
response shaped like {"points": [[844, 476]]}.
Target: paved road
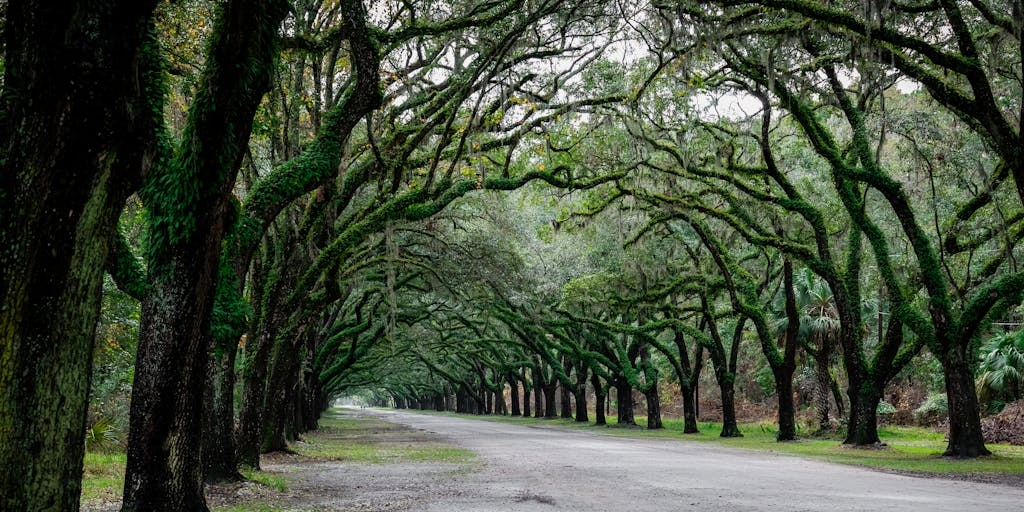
{"points": [[546, 469]]}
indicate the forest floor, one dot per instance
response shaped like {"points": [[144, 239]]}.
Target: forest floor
{"points": [[374, 460]]}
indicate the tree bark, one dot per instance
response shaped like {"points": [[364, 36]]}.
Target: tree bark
{"points": [[538, 392], [689, 374], [526, 395], [784, 373], [191, 206], [624, 397], [254, 387], [651, 390], [550, 389], [566, 403], [863, 425], [164, 469], [75, 137], [822, 383], [219, 431], [965, 435], [513, 386], [580, 393], [600, 396], [730, 428]]}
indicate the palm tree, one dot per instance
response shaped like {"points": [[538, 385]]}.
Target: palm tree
{"points": [[1000, 372], [819, 332]]}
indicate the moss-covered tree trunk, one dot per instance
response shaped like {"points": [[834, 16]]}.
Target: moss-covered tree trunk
{"points": [[75, 134], [513, 391], [862, 429], [965, 435], [191, 209], [650, 390], [538, 390], [254, 387], [784, 373], [526, 395], [550, 391], [580, 393], [565, 399], [283, 366], [624, 397], [219, 429], [689, 374], [600, 398]]}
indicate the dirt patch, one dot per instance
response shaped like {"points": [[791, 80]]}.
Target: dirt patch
{"points": [[387, 481]]}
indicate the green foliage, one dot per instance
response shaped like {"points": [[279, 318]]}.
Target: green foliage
{"points": [[113, 368], [934, 407], [101, 436], [1000, 372], [885, 409]]}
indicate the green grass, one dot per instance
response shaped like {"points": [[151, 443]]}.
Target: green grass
{"points": [[103, 478], [249, 507], [908, 449], [346, 439], [276, 482], [372, 441]]}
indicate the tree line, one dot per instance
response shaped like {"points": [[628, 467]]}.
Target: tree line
{"points": [[290, 192]]}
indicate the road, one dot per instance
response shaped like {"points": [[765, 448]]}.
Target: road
{"points": [[537, 468]]}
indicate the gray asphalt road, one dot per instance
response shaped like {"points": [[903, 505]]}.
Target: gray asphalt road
{"points": [[545, 469]]}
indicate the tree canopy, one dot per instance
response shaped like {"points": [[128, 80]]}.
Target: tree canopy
{"points": [[463, 205]]}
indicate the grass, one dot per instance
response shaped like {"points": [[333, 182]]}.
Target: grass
{"points": [[372, 441], [340, 438], [103, 478], [275, 482]]}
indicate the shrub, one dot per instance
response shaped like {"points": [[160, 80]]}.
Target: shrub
{"points": [[932, 410]]}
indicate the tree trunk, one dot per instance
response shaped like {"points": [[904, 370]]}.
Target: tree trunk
{"points": [[566, 403], [219, 430], [651, 390], [580, 393], [600, 396], [513, 389], [784, 373], [73, 150], [538, 392], [688, 377], [624, 396], [965, 436], [254, 389], [787, 412], [164, 469], [729, 426], [863, 425], [526, 396], [550, 389], [190, 219], [283, 365], [689, 409], [653, 407]]}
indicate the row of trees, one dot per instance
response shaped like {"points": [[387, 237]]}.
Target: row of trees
{"points": [[302, 168], [267, 143], [783, 157]]}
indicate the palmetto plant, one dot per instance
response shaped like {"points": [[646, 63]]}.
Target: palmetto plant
{"points": [[101, 436], [1001, 369]]}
